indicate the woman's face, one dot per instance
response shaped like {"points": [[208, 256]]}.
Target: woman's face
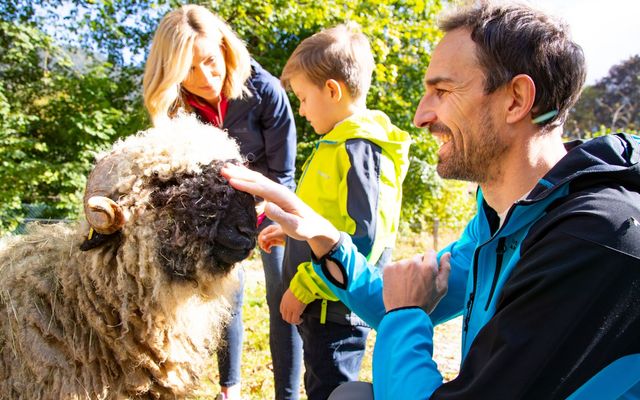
{"points": [[208, 70]]}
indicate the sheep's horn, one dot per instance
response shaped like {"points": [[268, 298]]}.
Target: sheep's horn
{"points": [[104, 215]]}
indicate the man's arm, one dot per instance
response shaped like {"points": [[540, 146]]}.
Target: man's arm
{"points": [[298, 220], [301, 222], [568, 312], [404, 343]]}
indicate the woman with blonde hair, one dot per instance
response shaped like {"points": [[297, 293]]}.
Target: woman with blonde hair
{"points": [[197, 64]]}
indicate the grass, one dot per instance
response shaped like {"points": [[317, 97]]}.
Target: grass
{"points": [[257, 374]]}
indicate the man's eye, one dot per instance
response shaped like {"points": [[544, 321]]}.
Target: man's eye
{"points": [[440, 92]]}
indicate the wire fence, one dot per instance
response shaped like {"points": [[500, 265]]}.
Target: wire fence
{"points": [[32, 213]]}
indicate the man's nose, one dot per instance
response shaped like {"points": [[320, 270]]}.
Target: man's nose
{"points": [[425, 115]]}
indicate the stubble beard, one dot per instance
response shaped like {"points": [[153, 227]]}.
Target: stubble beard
{"points": [[479, 160]]}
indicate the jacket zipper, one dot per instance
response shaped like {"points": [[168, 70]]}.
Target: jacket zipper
{"points": [[308, 162], [465, 326], [500, 250]]}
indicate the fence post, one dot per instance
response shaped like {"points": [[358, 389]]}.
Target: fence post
{"points": [[436, 223]]}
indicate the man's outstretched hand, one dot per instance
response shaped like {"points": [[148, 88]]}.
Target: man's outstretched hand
{"points": [[296, 218]]}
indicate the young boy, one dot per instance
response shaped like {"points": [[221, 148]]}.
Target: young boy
{"points": [[354, 179]]}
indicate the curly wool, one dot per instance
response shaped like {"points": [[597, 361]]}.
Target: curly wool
{"points": [[128, 319], [214, 227]]}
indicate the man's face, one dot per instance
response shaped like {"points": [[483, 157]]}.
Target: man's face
{"points": [[459, 114]]}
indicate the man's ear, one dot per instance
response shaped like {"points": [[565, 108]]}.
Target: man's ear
{"points": [[335, 90], [521, 94]]}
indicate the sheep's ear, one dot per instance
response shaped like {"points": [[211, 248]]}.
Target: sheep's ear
{"points": [[104, 215]]}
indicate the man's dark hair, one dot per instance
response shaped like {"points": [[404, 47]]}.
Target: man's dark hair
{"points": [[514, 39]]}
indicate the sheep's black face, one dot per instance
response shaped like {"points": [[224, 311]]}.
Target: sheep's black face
{"points": [[202, 218]]}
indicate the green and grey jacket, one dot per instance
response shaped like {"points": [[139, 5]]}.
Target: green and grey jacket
{"points": [[354, 179]]}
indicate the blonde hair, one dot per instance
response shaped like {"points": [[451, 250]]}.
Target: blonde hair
{"points": [[171, 55], [342, 53]]}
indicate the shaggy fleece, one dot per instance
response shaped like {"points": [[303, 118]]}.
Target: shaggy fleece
{"points": [[137, 315]]}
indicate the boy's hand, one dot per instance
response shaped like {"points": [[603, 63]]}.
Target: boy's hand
{"points": [[272, 235], [291, 308], [297, 219]]}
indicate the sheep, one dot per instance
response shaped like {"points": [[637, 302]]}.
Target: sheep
{"points": [[130, 302]]}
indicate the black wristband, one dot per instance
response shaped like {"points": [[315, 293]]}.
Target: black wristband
{"points": [[329, 254], [405, 308]]}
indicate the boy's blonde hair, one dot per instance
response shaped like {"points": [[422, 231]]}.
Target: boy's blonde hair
{"points": [[342, 53], [171, 55]]}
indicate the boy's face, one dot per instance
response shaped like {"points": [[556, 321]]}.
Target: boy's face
{"points": [[317, 104]]}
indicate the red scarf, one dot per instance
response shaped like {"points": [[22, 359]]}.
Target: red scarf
{"points": [[208, 112]]}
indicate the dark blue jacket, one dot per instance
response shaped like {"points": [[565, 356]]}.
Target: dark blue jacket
{"points": [[550, 299], [264, 127]]}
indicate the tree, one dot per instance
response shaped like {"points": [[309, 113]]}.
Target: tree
{"points": [[612, 103], [53, 120], [70, 77], [402, 35]]}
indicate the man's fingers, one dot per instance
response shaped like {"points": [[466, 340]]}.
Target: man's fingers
{"points": [[247, 186], [288, 222], [445, 260], [239, 173], [246, 180], [442, 280], [274, 212]]}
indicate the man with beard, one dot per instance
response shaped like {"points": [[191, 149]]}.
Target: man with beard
{"points": [[547, 273]]}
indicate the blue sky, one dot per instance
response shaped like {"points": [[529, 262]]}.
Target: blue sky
{"points": [[607, 30]]}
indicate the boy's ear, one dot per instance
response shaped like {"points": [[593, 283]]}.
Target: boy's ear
{"points": [[335, 90]]}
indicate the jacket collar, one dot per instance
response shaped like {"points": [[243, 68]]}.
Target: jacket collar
{"points": [[612, 158], [617, 155], [239, 108]]}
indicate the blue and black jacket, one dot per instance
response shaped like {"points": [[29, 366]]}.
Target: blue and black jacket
{"points": [[550, 300]]}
